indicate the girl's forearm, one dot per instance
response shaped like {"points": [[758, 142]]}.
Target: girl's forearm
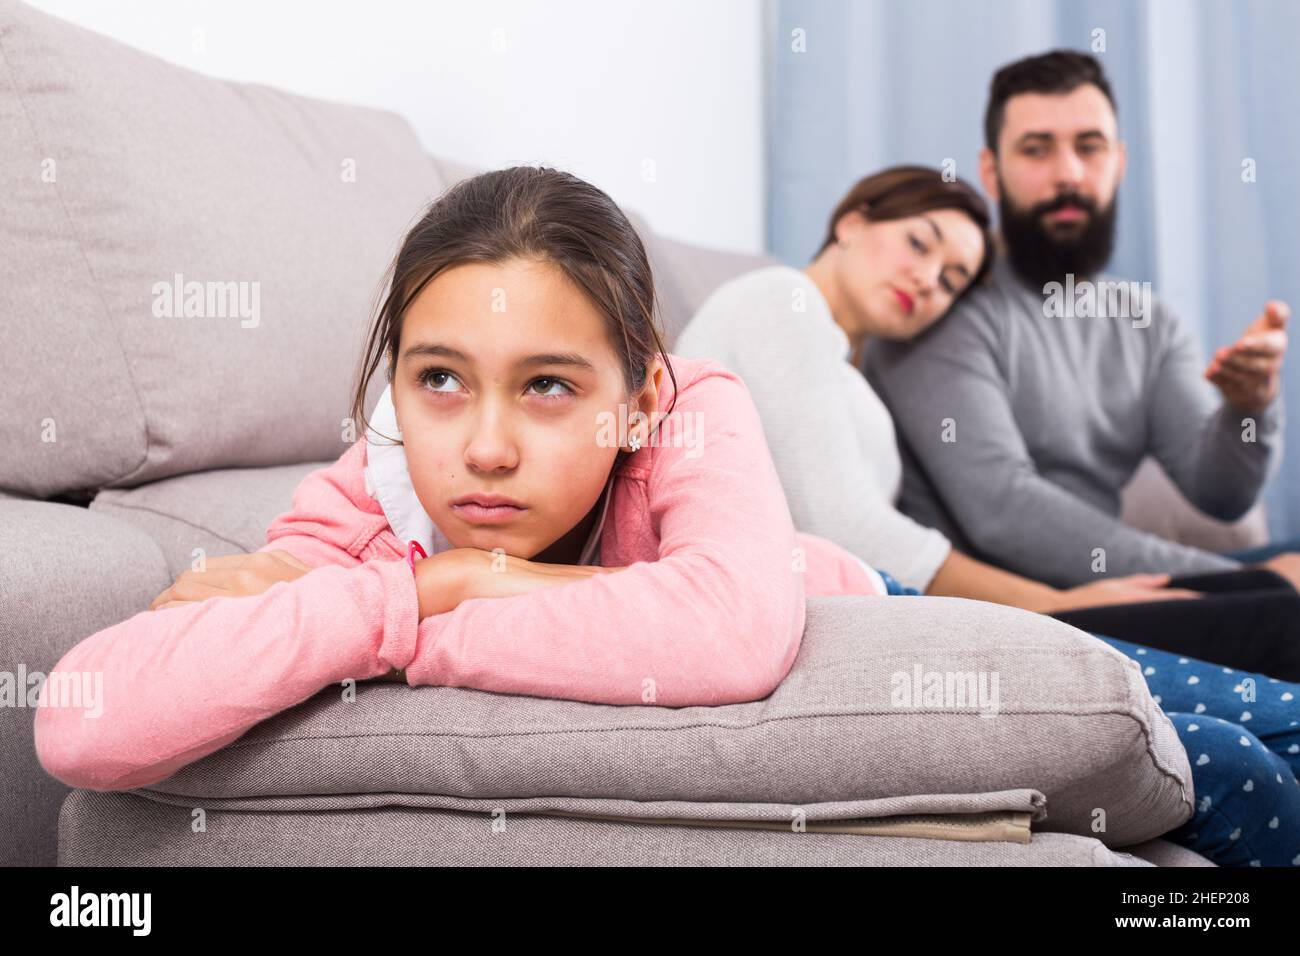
{"points": [[450, 577], [152, 675]]}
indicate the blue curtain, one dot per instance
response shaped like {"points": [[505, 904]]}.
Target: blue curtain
{"points": [[1206, 90]]}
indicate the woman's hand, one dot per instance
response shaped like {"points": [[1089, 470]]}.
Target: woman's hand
{"points": [[449, 577], [1130, 589], [1287, 565], [232, 575]]}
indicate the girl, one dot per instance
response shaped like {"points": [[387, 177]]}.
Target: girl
{"points": [[901, 247], [528, 384]]}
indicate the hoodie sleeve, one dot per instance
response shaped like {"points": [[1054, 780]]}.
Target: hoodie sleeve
{"points": [[717, 619], [164, 688]]}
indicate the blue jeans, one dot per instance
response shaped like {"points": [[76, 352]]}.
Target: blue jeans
{"points": [[1241, 732], [893, 586]]}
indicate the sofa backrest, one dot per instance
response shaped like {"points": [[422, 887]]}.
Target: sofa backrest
{"points": [[1152, 502], [187, 265]]}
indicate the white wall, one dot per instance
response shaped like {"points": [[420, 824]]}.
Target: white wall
{"points": [[658, 103]]}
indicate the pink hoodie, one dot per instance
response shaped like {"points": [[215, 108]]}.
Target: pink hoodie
{"points": [[709, 610]]}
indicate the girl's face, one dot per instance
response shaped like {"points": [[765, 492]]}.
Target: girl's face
{"points": [[502, 376], [898, 277]]}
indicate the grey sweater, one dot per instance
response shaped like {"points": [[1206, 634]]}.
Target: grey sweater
{"points": [[830, 435], [1019, 432]]}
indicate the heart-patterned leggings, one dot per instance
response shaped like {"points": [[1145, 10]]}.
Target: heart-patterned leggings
{"points": [[1241, 732]]}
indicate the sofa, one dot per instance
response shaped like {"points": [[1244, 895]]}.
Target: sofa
{"points": [[142, 437]]}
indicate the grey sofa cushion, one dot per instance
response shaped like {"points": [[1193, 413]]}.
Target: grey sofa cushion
{"points": [[1073, 722], [111, 829], [119, 172], [225, 511], [1165, 853]]}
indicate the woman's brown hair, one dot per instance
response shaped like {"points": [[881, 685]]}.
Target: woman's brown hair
{"points": [[531, 213], [903, 191]]}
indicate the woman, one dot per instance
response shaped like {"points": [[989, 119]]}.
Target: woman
{"points": [[903, 245]]}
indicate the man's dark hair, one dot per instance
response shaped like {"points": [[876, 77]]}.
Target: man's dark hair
{"points": [[1060, 71]]}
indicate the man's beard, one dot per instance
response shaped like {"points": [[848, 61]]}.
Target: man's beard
{"points": [[1039, 255]]}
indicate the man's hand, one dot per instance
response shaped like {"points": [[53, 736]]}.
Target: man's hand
{"points": [[1249, 371], [1130, 589], [1287, 565], [232, 575]]}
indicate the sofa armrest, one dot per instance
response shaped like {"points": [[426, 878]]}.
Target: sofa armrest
{"points": [[1062, 716], [65, 573]]}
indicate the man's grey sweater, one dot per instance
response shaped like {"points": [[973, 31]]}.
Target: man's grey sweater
{"points": [[1019, 430]]}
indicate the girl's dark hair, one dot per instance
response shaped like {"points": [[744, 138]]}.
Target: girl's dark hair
{"points": [[532, 213], [903, 191]]}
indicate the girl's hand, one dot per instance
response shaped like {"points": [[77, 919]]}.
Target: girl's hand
{"points": [[447, 578], [232, 575]]}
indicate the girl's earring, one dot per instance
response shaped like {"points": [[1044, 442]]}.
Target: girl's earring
{"points": [[634, 440]]}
